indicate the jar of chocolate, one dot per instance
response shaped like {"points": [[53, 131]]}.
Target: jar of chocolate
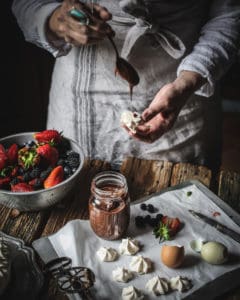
{"points": [[109, 205]]}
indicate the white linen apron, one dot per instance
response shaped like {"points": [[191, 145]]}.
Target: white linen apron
{"points": [[86, 99]]}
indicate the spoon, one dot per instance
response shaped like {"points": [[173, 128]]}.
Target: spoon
{"points": [[125, 69]]}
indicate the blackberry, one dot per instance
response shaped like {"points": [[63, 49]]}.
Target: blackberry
{"points": [[153, 222], [147, 219], [27, 177], [73, 162], [35, 172], [159, 217], [139, 221], [73, 154], [143, 206], [38, 184], [44, 174], [150, 208], [14, 181]]}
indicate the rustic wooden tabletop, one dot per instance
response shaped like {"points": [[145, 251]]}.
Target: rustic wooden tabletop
{"points": [[144, 178]]}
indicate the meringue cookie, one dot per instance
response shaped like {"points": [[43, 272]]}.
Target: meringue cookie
{"points": [[129, 246], [158, 285], [182, 284], [107, 254], [131, 293], [122, 275], [131, 120], [4, 265], [140, 264]]}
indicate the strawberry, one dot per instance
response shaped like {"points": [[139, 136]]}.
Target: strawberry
{"points": [[12, 153], [2, 149], [173, 224], [22, 187], [55, 177], [14, 171], [3, 157], [28, 157], [48, 136], [48, 153], [4, 181]]}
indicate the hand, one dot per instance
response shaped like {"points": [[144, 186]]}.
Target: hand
{"points": [[62, 25], [162, 113]]}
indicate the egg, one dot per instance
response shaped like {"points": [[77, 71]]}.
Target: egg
{"points": [[214, 253], [196, 245], [172, 256]]}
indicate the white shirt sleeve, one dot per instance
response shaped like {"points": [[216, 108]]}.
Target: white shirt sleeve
{"points": [[217, 46], [32, 18]]}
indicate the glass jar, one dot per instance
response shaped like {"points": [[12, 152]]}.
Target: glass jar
{"points": [[109, 205]]}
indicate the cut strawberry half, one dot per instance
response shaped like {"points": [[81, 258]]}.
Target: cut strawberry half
{"points": [[48, 136], [54, 178], [22, 187]]}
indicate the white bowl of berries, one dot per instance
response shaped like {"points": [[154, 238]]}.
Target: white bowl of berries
{"points": [[38, 169]]}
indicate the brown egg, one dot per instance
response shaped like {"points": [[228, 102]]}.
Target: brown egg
{"points": [[172, 256]]}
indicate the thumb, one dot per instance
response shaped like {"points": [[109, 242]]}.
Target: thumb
{"points": [[150, 112]]}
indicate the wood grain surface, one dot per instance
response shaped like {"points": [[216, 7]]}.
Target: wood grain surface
{"points": [[144, 177]]}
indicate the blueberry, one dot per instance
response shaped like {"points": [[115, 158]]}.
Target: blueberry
{"points": [[74, 170], [150, 208], [67, 170], [30, 144], [143, 206], [61, 162]]}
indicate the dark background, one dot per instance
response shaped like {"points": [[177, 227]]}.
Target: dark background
{"points": [[27, 76]]}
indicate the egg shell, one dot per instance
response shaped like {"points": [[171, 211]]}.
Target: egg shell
{"points": [[214, 253], [172, 256]]}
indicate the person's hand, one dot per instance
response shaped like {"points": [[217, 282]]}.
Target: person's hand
{"points": [[64, 26], [163, 111]]}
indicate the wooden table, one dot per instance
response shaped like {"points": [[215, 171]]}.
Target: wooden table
{"points": [[144, 177]]}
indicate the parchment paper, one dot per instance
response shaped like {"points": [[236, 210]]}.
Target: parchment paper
{"points": [[77, 240]]}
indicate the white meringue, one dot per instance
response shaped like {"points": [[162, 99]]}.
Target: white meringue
{"points": [[140, 264], [182, 284], [107, 254], [158, 285], [131, 293], [131, 120], [129, 246], [122, 274], [4, 265]]}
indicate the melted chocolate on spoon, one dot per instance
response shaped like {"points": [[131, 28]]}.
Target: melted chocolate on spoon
{"points": [[125, 69]]}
